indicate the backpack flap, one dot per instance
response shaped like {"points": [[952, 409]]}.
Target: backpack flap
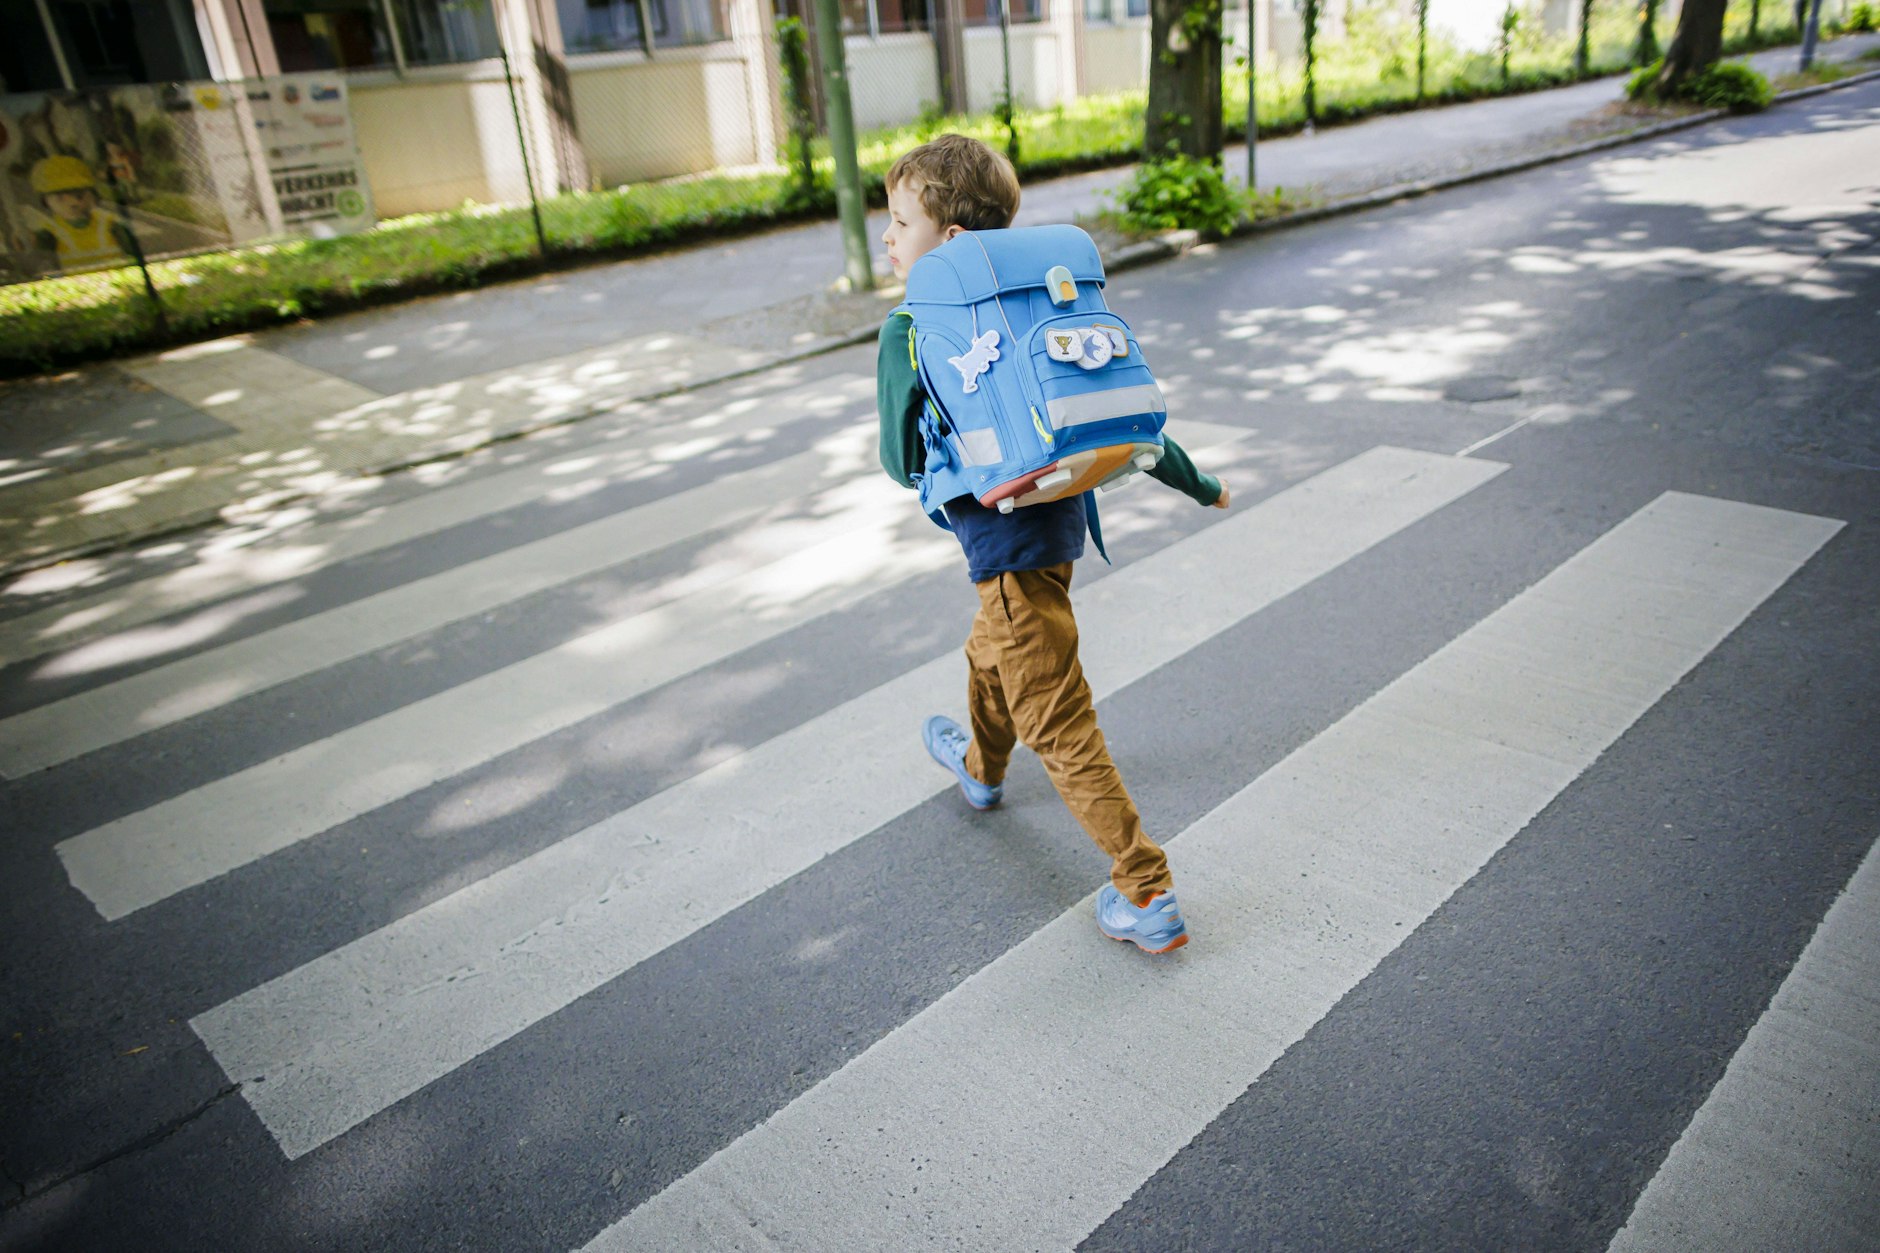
{"points": [[975, 266]]}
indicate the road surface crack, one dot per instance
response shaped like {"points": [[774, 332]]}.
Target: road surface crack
{"points": [[149, 1139]]}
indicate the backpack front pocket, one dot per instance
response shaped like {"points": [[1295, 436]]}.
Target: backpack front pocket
{"points": [[1089, 368]]}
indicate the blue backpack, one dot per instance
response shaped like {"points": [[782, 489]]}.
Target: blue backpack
{"points": [[1036, 390]]}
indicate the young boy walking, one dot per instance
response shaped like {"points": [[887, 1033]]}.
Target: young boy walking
{"points": [[1024, 684]]}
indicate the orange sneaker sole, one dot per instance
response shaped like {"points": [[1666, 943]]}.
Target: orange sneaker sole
{"points": [[1170, 947]]}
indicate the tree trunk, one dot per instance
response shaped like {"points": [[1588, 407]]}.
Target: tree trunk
{"points": [[1696, 45], [1423, 40], [1184, 79], [1645, 50]]}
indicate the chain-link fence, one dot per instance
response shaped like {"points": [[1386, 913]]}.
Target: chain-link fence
{"points": [[92, 180]]}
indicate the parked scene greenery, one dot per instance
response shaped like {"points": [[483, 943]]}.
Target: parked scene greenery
{"points": [[1725, 85], [1179, 192]]}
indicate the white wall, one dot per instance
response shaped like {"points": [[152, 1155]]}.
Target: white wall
{"points": [[1116, 55], [891, 77], [685, 111], [431, 144], [1034, 66]]}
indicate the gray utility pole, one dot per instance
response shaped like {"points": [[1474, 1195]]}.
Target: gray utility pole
{"points": [[1811, 35], [850, 205], [1253, 77]]}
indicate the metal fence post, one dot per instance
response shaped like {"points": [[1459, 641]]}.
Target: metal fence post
{"points": [[1253, 95], [645, 18], [1811, 33], [1007, 106], [522, 144], [102, 128], [850, 205]]}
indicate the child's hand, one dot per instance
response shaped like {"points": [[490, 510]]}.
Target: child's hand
{"points": [[1220, 501]]}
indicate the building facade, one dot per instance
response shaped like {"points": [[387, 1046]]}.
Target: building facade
{"points": [[608, 92]]}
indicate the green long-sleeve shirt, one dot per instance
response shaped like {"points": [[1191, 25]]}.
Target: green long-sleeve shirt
{"points": [[899, 398]]}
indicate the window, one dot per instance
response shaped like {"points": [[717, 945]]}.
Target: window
{"points": [[329, 34], [357, 34], [101, 43], [1099, 11], [986, 12], [883, 17], [614, 25], [443, 32], [26, 62], [899, 15]]}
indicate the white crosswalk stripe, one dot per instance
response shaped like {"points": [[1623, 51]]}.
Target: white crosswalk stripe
{"points": [[863, 541], [1303, 882], [821, 484], [1298, 885], [108, 714], [93, 719], [1786, 1149], [479, 966], [645, 440]]}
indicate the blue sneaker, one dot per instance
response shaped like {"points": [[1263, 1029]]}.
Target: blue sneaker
{"points": [[1155, 928], [947, 744]]}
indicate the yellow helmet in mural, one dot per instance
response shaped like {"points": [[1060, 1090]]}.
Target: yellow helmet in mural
{"points": [[62, 173]]}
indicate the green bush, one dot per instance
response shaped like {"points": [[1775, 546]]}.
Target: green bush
{"points": [[1729, 85], [1639, 86], [1722, 85], [1860, 17], [1180, 192], [793, 50]]}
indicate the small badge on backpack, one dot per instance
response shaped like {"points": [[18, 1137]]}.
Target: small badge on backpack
{"points": [[1097, 350], [976, 360], [1064, 343]]}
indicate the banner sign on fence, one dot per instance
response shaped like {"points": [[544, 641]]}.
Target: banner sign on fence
{"points": [[87, 178], [313, 161]]}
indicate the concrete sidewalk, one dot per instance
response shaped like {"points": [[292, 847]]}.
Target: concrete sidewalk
{"points": [[229, 430]]}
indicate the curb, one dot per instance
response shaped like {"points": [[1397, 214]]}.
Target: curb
{"points": [[240, 511], [1176, 243], [1132, 256]]}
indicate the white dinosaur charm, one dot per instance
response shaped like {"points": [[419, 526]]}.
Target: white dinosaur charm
{"points": [[977, 360]]}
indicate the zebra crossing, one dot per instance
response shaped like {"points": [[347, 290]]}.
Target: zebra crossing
{"points": [[1380, 819], [1004, 1113], [577, 907]]}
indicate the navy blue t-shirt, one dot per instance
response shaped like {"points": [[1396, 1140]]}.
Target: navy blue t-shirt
{"points": [[1025, 539]]}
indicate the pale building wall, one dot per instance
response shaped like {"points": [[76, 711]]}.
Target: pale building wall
{"points": [[431, 144], [1034, 66], [686, 111], [892, 77], [1116, 55], [436, 138]]}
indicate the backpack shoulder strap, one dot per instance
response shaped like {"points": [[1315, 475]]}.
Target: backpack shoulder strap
{"points": [[1096, 528]]}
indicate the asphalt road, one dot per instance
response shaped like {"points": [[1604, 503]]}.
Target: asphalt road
{"points": [[571, 871]]}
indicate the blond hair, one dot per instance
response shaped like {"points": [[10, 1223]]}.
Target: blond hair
{"points": [[962, 183]]}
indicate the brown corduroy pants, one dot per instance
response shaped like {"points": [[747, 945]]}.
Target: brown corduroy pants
{"points": [[1027, 686]]}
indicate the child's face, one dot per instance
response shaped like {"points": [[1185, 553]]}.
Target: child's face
{"points": [[72, 206], [911, 234]]}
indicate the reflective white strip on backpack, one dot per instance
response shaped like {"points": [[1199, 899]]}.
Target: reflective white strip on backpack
{"points": [[1118, 402], [981, 447]]}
